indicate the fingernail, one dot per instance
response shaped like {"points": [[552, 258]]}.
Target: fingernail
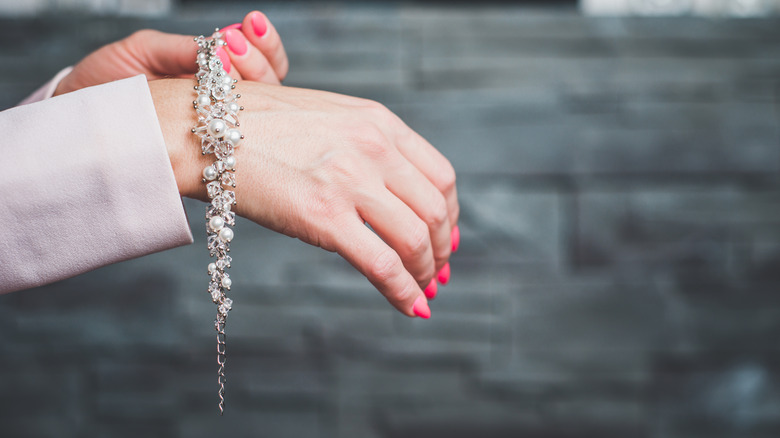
{"points": [[259, 25], [236, 41], [455, 237], [431, 290], [421, 308], [444, 274], [225, 58], [232, 26]]}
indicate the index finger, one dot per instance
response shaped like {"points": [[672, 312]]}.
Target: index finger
{"points": [[259, 30], [383, 267]]}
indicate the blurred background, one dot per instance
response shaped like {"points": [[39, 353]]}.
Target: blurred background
{"points": [[619, 275]]}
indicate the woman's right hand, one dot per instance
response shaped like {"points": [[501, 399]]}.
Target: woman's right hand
{"points": [[254, 52], [320, 166]]}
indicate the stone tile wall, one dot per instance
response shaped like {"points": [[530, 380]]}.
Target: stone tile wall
{"points": [[619, 272]]}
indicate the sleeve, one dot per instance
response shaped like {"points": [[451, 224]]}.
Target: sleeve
{"points": [[47, 90], [86, 182]]}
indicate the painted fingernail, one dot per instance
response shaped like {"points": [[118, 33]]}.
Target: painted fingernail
{"points": [[421, 308], [455, 237], [444, 274], [225, 58], [431, 289], [232, 26], [258, 24], [236, 41]]}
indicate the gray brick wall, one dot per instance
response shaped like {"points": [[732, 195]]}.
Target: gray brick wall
{"points": [[619, 272]]}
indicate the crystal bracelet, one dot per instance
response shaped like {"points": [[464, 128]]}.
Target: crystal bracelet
{"points": [[217, 112]]}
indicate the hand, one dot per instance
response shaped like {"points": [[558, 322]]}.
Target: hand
{"points": [[319, 166], [158, 55]]}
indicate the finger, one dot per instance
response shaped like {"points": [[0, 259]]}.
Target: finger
{"points": [[382, 267], [247, 59], [164, 54], [436, 168], [262, 34], [227, 64], [403, 230], [168, 54], [428, 203]]}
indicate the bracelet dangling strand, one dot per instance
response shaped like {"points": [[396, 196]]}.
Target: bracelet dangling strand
{"points": [[217, 111]]}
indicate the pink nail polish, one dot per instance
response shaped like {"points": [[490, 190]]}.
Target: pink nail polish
{"points": [[431, 289], [444, 274], [258, 24], [455, 237], [225, 58], [421, 308], [236, 41], [232, 26]]}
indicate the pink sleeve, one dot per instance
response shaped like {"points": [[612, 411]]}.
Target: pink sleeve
{"points": [[47, 90], [86, 182]]}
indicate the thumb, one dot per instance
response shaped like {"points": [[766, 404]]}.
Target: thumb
{"points": [[163, 54]]}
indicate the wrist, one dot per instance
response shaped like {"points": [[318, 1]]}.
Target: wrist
{"points": [[173, 104]]}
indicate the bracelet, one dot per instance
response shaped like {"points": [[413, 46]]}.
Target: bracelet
{"points": [[217, 112]]}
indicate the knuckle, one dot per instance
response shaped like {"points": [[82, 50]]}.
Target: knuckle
{"points": [[257, 73], [448, 177], [341, 169], [406, 294], [437, 214], [370, 140], [418, 240], [455, 213], [379, 111], [141, 36], [384, 267], [284, 68]]}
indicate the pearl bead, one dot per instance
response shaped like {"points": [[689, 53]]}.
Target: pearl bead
{"points": [[210, 173], [212, 268], [233, 135], [203, 100], [226, 282], [217, 128], [230, 162], [233, 107], [216, 223], [226, 234], [227, 80], [202, 56]]}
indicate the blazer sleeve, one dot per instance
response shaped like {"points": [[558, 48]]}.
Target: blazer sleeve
{"points": [[48, 89], [85, 182]]}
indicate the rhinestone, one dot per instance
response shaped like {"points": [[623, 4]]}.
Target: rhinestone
{"points": [[207, 145], [218, 110], [229, 196], [215, 64], [224, 262], [219, 92], [220, 203], [223, 149], [228, 178], [229, 217], [213, 189]]}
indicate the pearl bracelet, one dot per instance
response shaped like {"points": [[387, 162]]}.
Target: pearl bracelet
{"points": [[217, 112]]}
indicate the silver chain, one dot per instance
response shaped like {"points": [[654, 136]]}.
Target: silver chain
{"points": [[221, 338]]}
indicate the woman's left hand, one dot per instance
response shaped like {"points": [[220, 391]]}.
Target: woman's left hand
{"points": [[254, 52]]}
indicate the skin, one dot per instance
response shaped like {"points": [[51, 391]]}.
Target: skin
{"points": [[318, 166], [315, 165], [162, 55]]}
